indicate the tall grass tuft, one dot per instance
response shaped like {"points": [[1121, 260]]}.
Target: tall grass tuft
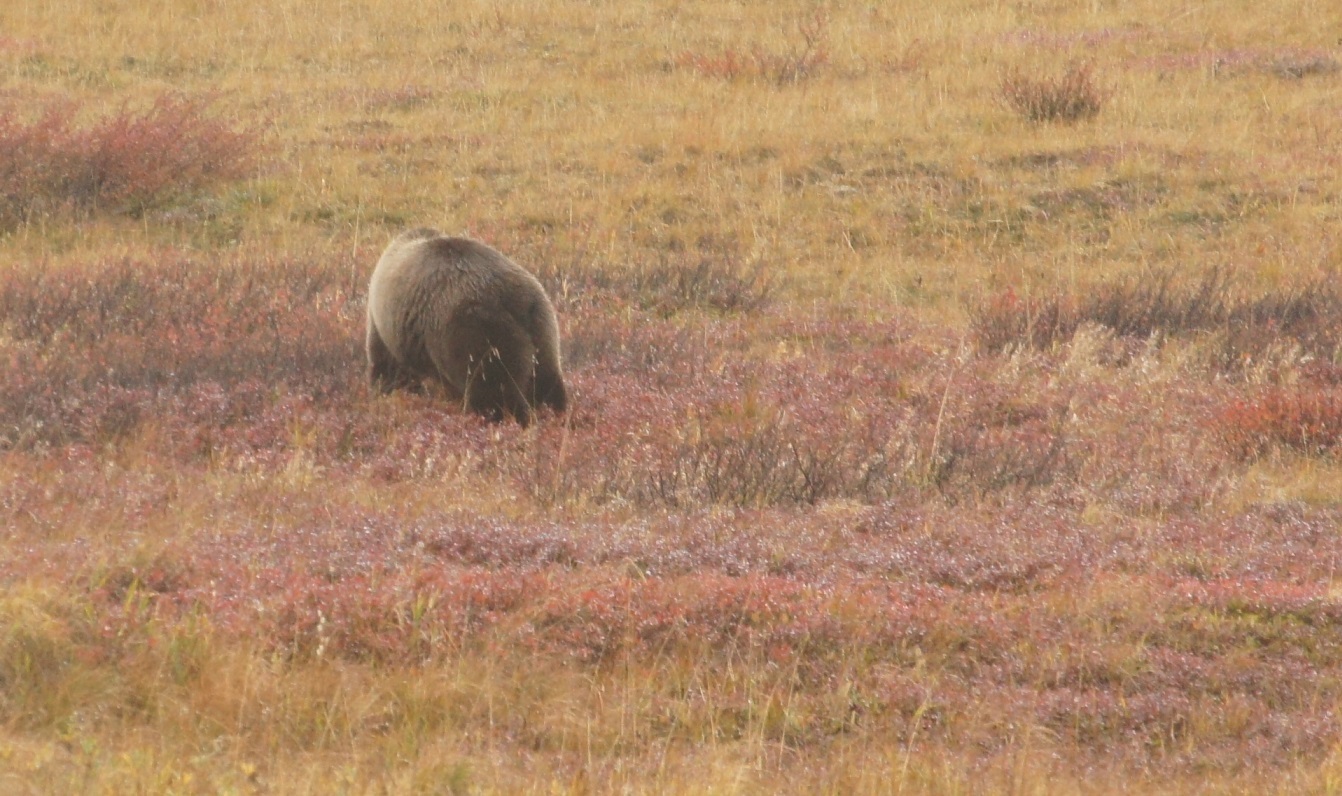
{"points": [[1072, 97]]}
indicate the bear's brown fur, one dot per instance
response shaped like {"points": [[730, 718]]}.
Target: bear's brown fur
{"points": [[461, 313]]}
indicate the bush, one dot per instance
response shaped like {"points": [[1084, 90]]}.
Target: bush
{"points": [[1306, 316], [800, 62], [125, 163], [1070, 98], [1302, 419]]}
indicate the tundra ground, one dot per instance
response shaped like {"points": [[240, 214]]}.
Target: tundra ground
{"points": [[957, 399]]}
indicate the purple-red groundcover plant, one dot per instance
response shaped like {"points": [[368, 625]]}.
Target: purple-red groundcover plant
{"points": [[907, 533]]}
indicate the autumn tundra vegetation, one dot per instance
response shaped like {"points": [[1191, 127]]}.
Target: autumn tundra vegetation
{"points": [[956, 399]]}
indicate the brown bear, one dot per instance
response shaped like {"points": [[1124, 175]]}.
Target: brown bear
{"points": [[461, 313]]}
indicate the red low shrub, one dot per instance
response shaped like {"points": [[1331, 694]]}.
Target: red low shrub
{"points": [[126, 162], [1302, 419], [798, 63]]}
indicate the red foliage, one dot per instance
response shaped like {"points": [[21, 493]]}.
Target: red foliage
{"points": [[1108, 634], [799, 63], [192, 346], [958, 536], [1302, 418], [671, 413], [125, 163]]}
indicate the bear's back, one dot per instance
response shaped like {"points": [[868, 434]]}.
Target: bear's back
{"points": [[424, 278]]}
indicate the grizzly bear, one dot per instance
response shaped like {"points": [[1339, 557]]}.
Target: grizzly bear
{"points": [[460, 313]]}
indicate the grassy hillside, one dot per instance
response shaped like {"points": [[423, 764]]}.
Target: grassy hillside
{"points": [[957, 399]]}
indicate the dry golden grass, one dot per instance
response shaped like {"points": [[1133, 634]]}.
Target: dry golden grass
{"points": [[262, 600]]}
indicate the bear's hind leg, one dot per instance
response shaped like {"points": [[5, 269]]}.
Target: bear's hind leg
{"points": [[549, 389], [384, 371], [504, 383], [491, 363]]}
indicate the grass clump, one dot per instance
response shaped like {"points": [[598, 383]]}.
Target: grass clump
{"points": [[1072, 97]]}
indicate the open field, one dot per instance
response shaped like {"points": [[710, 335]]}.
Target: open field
{"points": [[918, 445]]}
